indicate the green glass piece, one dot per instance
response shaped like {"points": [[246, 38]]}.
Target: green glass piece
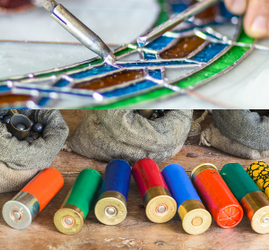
{"points": [[85, 190], [238, 180], [123, 51]]}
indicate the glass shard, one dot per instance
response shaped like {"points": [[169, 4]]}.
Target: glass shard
{"points": [[111, 80], [182, 48], [173, 74]]}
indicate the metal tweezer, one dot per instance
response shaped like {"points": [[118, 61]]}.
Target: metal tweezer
{"points": [[173, 22], [79, 30]]}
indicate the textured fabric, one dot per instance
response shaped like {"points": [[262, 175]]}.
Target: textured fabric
{"points": [[243, 126], [20, 161], [122, 134], [14, 179], [212, 136]]}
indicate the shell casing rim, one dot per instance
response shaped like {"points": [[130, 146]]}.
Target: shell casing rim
{"points": [[192, 208], [113, 199], [156, 196], [72, 211], [27, 203], [200, 168], [254, 204]]}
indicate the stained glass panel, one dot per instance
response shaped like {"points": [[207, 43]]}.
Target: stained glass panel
{"points": [[181, 60]]}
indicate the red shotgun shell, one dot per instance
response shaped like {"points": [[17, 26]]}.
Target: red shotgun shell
{"points": [[159, 204]]}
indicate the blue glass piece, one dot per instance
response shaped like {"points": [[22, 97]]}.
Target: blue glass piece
{"points": [[162, 63], [4, 88], [129, 89], [159, 43], [209, 52], [117, 177], [43, 101], [61, 83], [149, 56], [224, 12], [94, 71], [179, 184], [156, 74], [179, 7]]}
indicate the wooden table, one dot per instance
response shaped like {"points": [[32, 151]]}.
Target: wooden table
{"points": [[136, 231]]}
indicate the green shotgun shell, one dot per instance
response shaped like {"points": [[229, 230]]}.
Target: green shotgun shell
{"points": [[252, 199], [69, 219], [238, 180]]}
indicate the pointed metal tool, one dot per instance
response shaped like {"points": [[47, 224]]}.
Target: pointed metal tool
{"points": [[173, 22], [79, 30]]}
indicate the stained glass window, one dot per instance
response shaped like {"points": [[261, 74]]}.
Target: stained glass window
{"points": [[195, 52]]}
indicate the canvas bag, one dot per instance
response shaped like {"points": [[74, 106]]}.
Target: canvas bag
{"points": [[21, 161], [241, 133], [122, 134]]}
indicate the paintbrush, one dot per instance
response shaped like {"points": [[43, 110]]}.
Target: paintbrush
{"points": [[79, 30], [173, 22]]}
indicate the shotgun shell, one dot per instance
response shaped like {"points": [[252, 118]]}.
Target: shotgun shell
{"points": [[216, 195], [259, 172], [160, 206], [111, 208], [195, 218], [24, 207], [254, 202], [69, 219]]}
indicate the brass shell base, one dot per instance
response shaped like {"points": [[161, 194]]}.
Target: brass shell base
{"points": [[256, 207], [195, 218], [114, 200], [156, 197], [197, 170], [74, 214]]}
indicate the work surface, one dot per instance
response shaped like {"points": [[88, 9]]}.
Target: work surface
{"points": [[136, 231]]}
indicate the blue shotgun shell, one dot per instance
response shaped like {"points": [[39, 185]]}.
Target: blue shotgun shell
{"points": [[111, 208], [195, 218]]}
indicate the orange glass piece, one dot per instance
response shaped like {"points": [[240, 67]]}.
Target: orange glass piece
{"points": [[111, 80], [183, 48], [218, 198], [45, 186], [8, 99], [209, 13]]}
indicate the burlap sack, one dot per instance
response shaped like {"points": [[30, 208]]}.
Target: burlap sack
{"points": [[20, 161], [238, 132], [122, 134]]}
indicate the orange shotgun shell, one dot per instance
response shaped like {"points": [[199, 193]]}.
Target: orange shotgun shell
{"points": [[23, 208], [216, 195]]}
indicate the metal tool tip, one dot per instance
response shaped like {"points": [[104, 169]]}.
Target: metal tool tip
{"points": [[110, 58], [141, 41]]}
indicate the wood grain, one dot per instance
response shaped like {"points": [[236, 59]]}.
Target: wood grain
{"points": [[136, 231]]}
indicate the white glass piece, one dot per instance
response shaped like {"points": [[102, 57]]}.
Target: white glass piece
{"points": [[132, 57], [172, 74], [23, 58], [115, 21], [228, 30]]}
